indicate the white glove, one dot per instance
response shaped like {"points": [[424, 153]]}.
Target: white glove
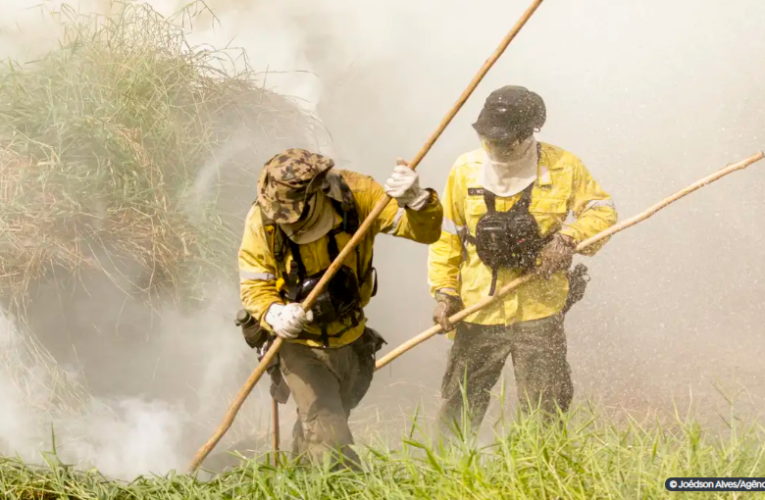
{"points": [[404, 186], [288, 321]]}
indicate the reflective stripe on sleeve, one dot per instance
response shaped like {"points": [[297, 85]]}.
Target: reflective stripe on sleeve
{"points": [[451, 228], [396, 220], [600, 203], [252, 275]]}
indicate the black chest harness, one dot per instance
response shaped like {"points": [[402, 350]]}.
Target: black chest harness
{"points": [[507, 239], [341, 297]]}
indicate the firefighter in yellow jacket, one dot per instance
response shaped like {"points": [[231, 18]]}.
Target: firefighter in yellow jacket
{"points": [[306, 212], [505, 212]]}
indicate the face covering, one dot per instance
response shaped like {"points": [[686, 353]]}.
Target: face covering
{"points": [[319, 221], [508, 171]]}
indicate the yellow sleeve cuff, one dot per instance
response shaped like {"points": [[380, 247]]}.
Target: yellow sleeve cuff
{"points": [[572, 233]]}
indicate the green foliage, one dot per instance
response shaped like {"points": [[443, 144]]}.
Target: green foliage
{"points": [[590, 458]]}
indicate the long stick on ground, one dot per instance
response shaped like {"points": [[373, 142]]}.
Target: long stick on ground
{"points": [[357, 237], [456, 318]]}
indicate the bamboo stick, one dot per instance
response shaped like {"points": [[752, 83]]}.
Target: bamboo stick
{"points": [[357, 237], [275, 433], [378, 209], [456, 318]]}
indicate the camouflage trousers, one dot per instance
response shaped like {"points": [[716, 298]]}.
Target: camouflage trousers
{"points": [[538, 350], [326, 385]]}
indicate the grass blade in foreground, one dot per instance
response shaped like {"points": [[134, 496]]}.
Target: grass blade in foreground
{"points": [[595, 457]]}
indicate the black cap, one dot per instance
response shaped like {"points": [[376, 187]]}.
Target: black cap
{"points": [[511, 113]]}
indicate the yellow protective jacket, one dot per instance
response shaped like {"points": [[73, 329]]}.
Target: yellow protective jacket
{"points": [[262, 277], [563, 185]]}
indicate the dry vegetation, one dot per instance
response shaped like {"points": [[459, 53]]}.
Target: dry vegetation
{"points": [[102, 143], [129, 153]]}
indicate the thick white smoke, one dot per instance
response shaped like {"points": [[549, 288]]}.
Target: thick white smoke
{"points": [[651, 95], [123, 437]]}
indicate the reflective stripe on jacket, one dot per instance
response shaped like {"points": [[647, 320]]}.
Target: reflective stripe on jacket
{"points": [[563, 185], [261, 277]]}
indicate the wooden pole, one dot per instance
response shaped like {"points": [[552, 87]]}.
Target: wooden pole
{"points": [[357, 237], [275, 422], [378, 209], [456, 318]]}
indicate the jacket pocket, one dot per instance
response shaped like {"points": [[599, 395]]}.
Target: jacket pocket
{"points": [[555, 206], [550, 214], [475, 208]]}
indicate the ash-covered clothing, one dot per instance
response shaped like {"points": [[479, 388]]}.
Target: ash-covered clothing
{"points": [[326, 385], [262, 275], [563, 186], [538, 350]]}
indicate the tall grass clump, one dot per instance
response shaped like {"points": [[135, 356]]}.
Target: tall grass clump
{"points": [[591, 458], [112, 155]]}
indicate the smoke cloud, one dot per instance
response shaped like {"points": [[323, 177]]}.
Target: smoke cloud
{"points": [[651, 95]]}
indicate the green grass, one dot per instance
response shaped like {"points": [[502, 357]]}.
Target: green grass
{"points": [[592, 458]]}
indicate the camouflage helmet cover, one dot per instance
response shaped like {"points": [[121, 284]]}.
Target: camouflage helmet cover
{"points": [[287, 181]]}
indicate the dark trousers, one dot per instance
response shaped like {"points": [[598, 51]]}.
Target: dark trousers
{"points": [[538, 350], [326, 385]]}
